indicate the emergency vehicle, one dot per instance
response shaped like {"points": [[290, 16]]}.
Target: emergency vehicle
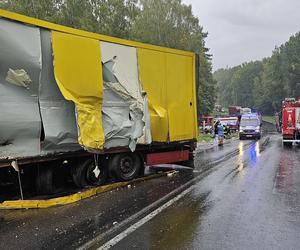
{"points": [[290, 127]]}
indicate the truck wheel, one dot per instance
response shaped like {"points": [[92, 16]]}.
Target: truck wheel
{"points": [[45, 180], [125, 166], [95, 176], [86, 174], [240, 137]]}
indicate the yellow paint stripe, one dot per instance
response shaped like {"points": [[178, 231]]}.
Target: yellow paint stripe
{"points": [[28, 204], [57, 27]]}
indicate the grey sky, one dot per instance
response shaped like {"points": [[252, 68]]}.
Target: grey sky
{"points": [[245, 30]]}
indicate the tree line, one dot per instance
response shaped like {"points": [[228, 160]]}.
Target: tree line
{"points": [[167, 23], [263, 84]]}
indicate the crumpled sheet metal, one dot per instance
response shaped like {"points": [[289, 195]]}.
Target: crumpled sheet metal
{"points": [[58, 114], [30, 97], [78, 73], [20, 123], [126, 119]]}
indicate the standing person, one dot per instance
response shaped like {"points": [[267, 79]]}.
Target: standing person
{"points": [[216, 132], [220, 134]]}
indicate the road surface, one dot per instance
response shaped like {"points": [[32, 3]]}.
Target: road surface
{"points": [[245, 195]]}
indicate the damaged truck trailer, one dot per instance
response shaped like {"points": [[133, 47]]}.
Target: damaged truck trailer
{"points": [[90, 104]]}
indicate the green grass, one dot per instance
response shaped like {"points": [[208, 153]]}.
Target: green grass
{"points": [[209, 139], [205, 138], [270, 119]]}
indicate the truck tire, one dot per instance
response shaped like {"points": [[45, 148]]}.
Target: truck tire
{"points": [[83, 174], [126, 166], [96, 177]]}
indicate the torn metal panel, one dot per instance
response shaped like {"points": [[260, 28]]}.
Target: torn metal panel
{"points": [[125, 107], [58, 114], [122, 62], [20, 66], [78, 73]]}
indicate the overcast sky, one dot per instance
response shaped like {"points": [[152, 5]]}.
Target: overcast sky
{"points": [[245, 30]]}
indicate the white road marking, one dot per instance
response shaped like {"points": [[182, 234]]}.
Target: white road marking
{"points": [[190, 184], [144, 220]]}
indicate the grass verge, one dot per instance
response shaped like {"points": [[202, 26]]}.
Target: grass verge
{"points": [[205, 138], [270, 119]]}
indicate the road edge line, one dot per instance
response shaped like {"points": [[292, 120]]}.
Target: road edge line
{"points": [[144, 220], [69, 199]]}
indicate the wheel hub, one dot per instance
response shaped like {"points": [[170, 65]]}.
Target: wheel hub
{"points": [[126, 165]]}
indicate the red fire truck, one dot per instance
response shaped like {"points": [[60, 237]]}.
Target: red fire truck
{"points": [[290, 121]]}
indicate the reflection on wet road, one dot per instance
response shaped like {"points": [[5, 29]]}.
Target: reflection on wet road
{"points": [[251, 201], [248, 197]]}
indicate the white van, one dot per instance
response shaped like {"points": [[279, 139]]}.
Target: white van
{"points": [[250, 126]]}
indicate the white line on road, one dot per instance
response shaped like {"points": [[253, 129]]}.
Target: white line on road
{"points": [[190, 184], [144, 220]]}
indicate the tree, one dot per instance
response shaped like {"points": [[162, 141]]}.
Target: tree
{"points": [[171, 23], [265, 84], [43, 9], [161, 22]]}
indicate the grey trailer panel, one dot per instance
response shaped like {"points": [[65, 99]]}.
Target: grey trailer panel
{"points": [[20, 66], [58, 114]]}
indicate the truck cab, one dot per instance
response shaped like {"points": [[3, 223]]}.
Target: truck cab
{"points": [[250, 126]]}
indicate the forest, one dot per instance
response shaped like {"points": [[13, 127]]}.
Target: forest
{"points": [[167, 23], [264, 84]]}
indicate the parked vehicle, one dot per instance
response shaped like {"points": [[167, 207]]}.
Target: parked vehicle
{"points": [[250, 126], [290, 120], [100, 105], [231, 122], [234, 110], [244, 111], [205, 123]]}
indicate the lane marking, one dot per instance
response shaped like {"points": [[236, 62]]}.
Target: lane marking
{"points": [[144, 220], [142, 212], [185, 187]]}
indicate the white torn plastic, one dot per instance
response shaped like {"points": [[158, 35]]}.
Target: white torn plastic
{"points": [[18, 77], [96, 171], [15, 165]]}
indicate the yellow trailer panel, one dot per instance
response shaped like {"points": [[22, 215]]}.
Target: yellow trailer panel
{"points": [[78, 72], [152, 65], [169, 82], [180, 97]]}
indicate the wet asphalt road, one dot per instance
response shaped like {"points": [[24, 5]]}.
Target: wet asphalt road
{"points": [[247, 197], [251, 201]]}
